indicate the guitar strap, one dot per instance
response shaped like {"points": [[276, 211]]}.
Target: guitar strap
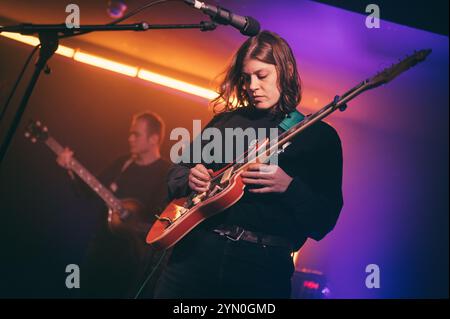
{"points": [[113, 186], [291, 119]]}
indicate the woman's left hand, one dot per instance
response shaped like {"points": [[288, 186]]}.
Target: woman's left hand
{"points": [[271, 177]]}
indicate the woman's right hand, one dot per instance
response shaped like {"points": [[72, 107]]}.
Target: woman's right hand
{"points": [[199, 178], [64, 158]]}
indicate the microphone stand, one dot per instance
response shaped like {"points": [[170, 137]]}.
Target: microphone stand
{"points": [[49, 35]]}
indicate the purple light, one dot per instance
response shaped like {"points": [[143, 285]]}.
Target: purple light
{"points": [[116, 8]]}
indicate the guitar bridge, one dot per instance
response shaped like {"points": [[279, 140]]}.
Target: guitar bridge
{"points": [[164, 219]]}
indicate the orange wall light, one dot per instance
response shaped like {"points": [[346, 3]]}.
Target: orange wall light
{"points": [[114, 66], [105, 63], [62, 50], [176, 84]]}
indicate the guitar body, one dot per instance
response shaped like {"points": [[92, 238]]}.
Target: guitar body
{"points": [[175, 221], [135, 222], [131, 228]]}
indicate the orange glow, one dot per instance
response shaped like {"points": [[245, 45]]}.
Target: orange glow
{"points": [[295, 259], [62, 50], [176, 84], [114, 66], [65, 51], [21, 38], [105, 63]]}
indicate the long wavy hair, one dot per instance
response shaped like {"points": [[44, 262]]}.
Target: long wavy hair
{"points": [[267, 47]]}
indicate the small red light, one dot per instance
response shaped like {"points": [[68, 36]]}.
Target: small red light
{"points": [[311, 285]]}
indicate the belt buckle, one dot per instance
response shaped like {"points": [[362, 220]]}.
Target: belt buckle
{"points": [[237, 238]]}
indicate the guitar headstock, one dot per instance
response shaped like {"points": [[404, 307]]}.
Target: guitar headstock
{"points": [[36, 131], [390, 73]]}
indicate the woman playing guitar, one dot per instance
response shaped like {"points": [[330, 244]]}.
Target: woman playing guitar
{"points": [[246, 250]]}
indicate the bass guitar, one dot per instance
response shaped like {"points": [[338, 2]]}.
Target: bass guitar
{"points": [[125, 216]]}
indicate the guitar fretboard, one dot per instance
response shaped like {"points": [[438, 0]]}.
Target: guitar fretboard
{"points": [[110, 200]]}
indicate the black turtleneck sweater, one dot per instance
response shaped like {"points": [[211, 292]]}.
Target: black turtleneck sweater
{"points": [[311, 204]]}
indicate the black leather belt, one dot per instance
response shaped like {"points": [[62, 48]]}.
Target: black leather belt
{"points": [[236, 233]]}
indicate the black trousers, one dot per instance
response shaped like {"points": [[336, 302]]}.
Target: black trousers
{"points": [[207, 265]]}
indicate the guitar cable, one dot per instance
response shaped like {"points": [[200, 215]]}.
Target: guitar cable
{"points": [[151, 274], [19, 78]]}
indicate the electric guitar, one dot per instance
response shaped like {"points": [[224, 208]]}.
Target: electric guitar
{"points": [[226, 187], [125, 216]]}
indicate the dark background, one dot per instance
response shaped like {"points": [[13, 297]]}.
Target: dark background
{"points": [[46, 227]]}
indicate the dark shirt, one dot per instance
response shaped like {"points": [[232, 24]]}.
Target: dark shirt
{"points": [[311, 204], [144, 183]]}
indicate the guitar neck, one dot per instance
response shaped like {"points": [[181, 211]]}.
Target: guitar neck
{"points": [[283, 138], [104, 193], [321, 114], [340, 103]]}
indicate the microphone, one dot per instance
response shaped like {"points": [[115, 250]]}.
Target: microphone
{"points": [[246, 25]]}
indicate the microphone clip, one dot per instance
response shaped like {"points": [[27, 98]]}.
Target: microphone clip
{"points": [[208, 26]]}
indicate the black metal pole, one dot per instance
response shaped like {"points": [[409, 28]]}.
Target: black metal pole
{"points": [[49, 44], [28, 28]]}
